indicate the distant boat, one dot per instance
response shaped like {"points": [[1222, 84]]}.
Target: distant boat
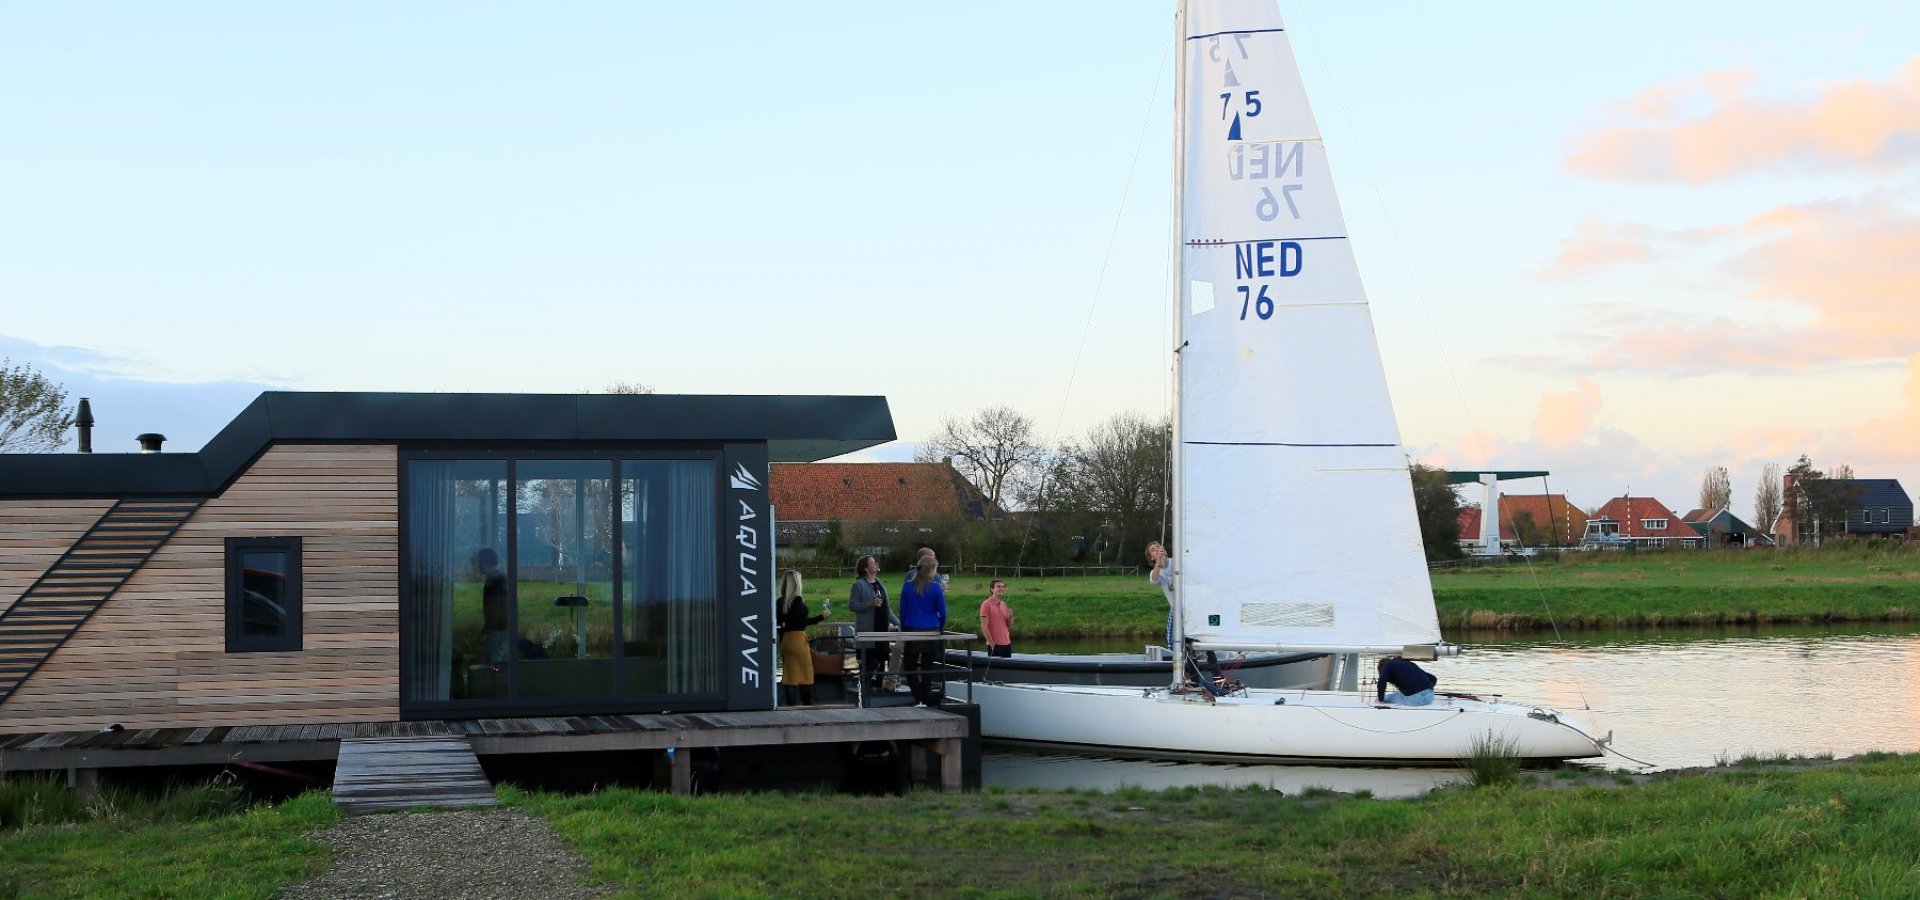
{"points": [[1281, 422]]}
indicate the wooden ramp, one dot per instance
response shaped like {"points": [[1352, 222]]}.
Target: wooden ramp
{"points": [[375, 774]]}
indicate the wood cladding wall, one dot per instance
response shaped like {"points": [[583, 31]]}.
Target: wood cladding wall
{"points": [[34, 533], [155, 655]]}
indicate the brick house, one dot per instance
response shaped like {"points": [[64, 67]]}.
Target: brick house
{"points": [[1548, 520], [1875, 507], [900, 499], [1642, 522]]}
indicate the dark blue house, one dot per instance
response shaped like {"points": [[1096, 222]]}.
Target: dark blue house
{"points": [[1883, 510]]}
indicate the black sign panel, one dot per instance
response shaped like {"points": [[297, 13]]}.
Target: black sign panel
{"points": [[747, 579]]}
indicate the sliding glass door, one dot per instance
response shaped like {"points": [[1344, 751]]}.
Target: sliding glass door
{"points": [[542, 581]]}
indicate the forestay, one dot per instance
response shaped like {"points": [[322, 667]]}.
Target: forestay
{"points": [[1295, 517]]}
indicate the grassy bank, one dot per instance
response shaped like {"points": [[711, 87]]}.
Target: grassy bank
{"points": [[187, 842], [1855, 583], [1836, 830]]}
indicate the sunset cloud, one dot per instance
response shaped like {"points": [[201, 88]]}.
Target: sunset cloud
{"points": [[1849, 125], [1594, 245], [1843, 277]]}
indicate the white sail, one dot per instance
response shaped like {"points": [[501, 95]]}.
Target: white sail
{"points": [[1295, 520]]}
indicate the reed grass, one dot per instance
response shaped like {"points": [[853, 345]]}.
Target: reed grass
{"points": [[1492, 760]]}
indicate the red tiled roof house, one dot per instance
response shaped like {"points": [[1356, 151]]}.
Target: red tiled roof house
{"points": [[1542, 520], [1644, 522], [897, 498]]}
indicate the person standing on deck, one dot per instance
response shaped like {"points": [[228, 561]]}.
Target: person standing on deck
{"points": [[923, 608], [996, 621], [1414, 683], [868, 600], [796, 655]]}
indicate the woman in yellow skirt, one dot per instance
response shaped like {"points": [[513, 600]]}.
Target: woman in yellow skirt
{"points": [[796, 656]]}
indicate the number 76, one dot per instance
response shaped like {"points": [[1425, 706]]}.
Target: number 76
{"points": [[1262, 304]]}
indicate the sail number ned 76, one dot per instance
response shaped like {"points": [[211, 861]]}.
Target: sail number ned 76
{"points": [[1262, 260]]}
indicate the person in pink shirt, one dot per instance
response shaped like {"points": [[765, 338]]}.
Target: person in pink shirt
{"points": [[996, 621]]}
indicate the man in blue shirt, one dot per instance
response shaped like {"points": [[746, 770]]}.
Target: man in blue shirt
{"points": [[1415, 685]]}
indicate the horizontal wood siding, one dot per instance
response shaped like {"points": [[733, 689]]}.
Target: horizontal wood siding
{"points": [[34, 533], [155, 655]]}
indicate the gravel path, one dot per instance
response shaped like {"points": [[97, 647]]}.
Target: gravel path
{"points": [[481, 854]]}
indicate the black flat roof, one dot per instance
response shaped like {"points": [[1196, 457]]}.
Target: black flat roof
{"points": [[801, 428]]}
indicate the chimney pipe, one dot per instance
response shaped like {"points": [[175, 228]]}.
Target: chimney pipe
{"points": [[150, 442], [83, 422]]}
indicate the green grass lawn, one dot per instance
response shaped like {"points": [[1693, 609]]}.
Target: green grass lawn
{"points": [[124, 847], [1836, 830], [1865, 582]]}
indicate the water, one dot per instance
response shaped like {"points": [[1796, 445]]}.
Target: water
{"points": [[1672, 697]]}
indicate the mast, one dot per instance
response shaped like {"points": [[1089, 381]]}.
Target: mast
{"points": [[1179, 296]]}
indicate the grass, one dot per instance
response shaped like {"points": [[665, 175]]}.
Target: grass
{"points": [[1828, 830], [1854, 582], [1492, 760], [189, 841]]}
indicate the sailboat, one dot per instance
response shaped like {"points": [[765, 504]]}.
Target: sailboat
{"points": [[1282, 419]]}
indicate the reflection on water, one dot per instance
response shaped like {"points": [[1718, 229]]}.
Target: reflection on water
{"points": [[1673, 697]]}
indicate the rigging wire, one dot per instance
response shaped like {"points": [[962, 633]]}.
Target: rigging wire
{"points": [[1099, 282]]}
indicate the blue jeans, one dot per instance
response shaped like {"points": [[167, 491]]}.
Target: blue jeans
{"points": [[1424, 698]]}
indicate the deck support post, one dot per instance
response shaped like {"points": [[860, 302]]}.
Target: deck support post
{"points": [[674, 766], [84, 781]]}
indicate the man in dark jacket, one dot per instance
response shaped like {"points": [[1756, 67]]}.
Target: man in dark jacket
{"points": [[1415, 685]]}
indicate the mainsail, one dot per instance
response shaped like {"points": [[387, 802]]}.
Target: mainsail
{"points": [[1294, 516]]}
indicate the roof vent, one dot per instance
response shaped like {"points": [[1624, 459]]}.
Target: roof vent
{"points": [[83, 421], [150, 442]]}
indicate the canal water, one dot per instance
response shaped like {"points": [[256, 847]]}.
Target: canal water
{"points": [[1672, 697]]}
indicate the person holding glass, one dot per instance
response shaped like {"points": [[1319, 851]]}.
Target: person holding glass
{"points": [[868, 600]]}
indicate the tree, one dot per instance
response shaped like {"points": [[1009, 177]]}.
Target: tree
{"points": [[995, 449], [1438, 508], [33, 411], [1114, 485], [628, 387], [1818, 502], [1716, 489], [1766, 497]]}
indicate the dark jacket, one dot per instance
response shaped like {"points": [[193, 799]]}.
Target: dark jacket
{"points": [[795, 618], [1407, 677]]}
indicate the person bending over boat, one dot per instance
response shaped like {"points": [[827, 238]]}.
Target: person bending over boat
{"points": [[868, 600], [996, 621], [1414, 683], [796, 655], [923, 608]]}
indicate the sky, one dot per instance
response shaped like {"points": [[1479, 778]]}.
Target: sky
{"points": [[1622, 243]]}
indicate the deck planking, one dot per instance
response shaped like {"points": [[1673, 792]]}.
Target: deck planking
{"points": [[377, 774]]}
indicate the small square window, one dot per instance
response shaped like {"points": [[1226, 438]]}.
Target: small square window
{"points": [[263, 594]]}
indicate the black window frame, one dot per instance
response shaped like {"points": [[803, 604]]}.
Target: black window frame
{"points": [[290, 640]]}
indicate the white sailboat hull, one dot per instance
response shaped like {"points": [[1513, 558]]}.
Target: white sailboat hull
{"points": [[1310, 726]]}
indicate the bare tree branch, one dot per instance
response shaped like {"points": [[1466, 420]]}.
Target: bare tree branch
{"points": [[996, 449]]}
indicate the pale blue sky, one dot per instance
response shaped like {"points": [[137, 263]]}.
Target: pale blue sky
{"points": [[899, 198]]}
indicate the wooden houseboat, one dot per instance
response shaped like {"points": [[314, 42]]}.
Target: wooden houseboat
{"points": [[387, 557]]}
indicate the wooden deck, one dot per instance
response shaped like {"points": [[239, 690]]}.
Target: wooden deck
{"points": [[942, 732], [375, 774]]}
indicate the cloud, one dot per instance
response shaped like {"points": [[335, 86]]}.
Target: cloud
{"points": [[188, 413], [1838, 281], [1594, 246], [1850, 125]]}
